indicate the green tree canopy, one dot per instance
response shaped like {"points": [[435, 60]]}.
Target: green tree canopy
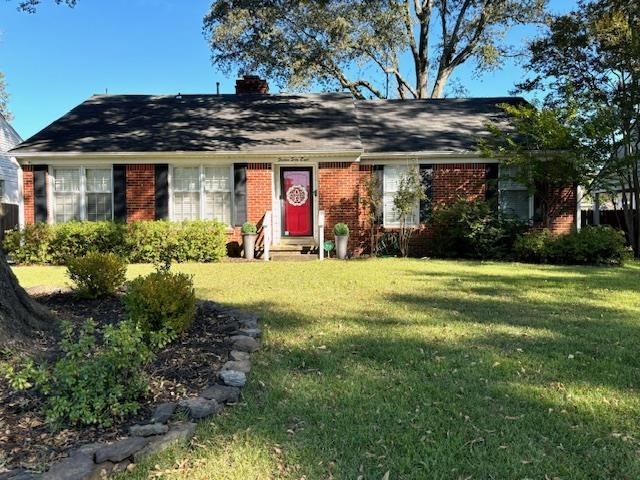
{"points": [[590, 59], [356, 44], [540, 149]]}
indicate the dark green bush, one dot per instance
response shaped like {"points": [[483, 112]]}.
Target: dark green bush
{"points": [[533, 246], [93, 383], [139, 242], [161, 301], [471, 229], [97, 274], [601, 245], [591, 245]]}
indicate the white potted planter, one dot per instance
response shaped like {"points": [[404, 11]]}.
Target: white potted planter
{"points": [[341, 233], [249, 240]]}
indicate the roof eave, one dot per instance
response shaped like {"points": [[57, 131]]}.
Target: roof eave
{"points": [[442, 156], [26, 158]]}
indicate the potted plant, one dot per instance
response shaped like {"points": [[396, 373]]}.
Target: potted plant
{"points": [[249, 239], [341, 232]]}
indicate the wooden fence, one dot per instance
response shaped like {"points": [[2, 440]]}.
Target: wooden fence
{"points": [[613, 218], [9, 218]]}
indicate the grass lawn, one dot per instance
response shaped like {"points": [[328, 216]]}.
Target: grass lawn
{"points": [[423, 369]]}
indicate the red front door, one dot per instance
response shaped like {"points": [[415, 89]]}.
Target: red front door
{"points": [[297, 202]]}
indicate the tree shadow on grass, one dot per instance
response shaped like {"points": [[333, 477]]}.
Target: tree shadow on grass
{"points": [[490, 405], [421, 408]]}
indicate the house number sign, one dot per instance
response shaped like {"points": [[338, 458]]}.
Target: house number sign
{"points": [[297, 195]]}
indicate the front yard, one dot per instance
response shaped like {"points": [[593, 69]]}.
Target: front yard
{"points": [[423, 369]]}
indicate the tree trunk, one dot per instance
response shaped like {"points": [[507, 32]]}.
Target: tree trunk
{"points": [[20, 315]]}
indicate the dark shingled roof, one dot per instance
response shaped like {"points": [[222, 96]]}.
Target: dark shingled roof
{"points": [[202, 123], [432, 125], [267, 123]]}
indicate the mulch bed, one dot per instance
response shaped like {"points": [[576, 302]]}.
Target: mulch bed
{"points": [[182, 369]]}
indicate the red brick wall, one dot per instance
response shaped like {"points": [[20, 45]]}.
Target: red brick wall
{"points": [[339, 185], [450, 182], [458, 180], [562, 211], [259, 194], [29, 200], [141, 199]]}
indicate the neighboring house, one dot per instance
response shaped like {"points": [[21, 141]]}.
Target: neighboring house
{"points": [[235, 157], [9, 178]]}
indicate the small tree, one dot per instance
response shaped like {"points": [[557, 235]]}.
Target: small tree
{"points": [[405, 201], [371, 202], [541, 151]]}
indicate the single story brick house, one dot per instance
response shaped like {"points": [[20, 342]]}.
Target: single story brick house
{"points": [[235, 157]]}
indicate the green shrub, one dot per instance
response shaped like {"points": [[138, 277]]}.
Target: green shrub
{"points": [[140, 242], [96, 274], [341, 229], [589, 246], [92, 383], [31, 245], [533, 246], [75, 239], [248, 227], [200, 241], [145, 241], [471, 229], [161, 302], [188, 241]]}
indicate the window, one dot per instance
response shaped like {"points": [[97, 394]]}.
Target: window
{"points": [[202, 193], [186, 193], [217, 199], [82, 194], [2, 191], [99, 194], [390, 183], [514, 197]]}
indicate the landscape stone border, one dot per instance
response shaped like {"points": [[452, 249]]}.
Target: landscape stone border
{"points": [[97, 460]]}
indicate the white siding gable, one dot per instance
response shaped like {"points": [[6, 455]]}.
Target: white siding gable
{"points": [[9, 167]]}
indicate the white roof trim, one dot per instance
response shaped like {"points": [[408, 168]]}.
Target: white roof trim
{"points": [[26, 158]]}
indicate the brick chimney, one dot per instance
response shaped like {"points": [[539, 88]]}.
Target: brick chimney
{"points": [[251, 84]]}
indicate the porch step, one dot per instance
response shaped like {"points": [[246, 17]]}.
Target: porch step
{"points": [[294, 251]]}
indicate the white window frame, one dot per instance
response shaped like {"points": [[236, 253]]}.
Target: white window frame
{"points": [[508, 185], [387, 199], [82, 169], [202, 191]]}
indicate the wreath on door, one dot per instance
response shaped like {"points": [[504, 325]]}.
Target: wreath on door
{"points": [[297, 195]]}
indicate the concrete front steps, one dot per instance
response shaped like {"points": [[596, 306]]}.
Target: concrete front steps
{"points": [[296, 249]]}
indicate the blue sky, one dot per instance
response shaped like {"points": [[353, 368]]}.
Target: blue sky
{"points": [[58, 57]]}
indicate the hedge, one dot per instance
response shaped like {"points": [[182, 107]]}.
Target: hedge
{"points": [[136, 242], [601, 245]]}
